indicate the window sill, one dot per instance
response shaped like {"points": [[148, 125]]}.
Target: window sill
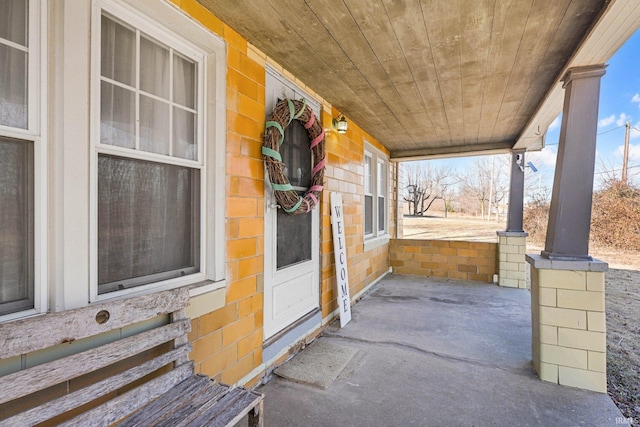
{"points": [[374, 242]]}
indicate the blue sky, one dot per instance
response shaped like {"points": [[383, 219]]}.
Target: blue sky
{"points": [[619, 103]]}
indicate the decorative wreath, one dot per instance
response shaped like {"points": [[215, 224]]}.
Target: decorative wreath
{"points": [[286, 111]]}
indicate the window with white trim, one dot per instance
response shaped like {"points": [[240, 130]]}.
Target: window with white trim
{"points": [[21, 150], [153, 176], [376, 193]]}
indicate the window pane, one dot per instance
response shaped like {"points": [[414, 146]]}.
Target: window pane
{"points": [[13, 21], [16, 226], [148, 222], [367, 175], [381, 218], [154, 68], [293, 242], [368, 214], [117, 116], [184, 134], [118, 52], [381, 179], [154, 125], [13, 87], [296, 155], [184, 82]]}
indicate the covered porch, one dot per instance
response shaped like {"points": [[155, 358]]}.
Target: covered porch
{"points": [[435, 80], [433, 352]]}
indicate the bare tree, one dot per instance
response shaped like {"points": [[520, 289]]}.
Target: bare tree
{"points": [[424, 184], [487, 182]]}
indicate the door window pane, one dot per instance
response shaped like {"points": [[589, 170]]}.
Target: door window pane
{"points": [[294, 233], [293, 239], [296, 155], [16, 226], [148, 222]]}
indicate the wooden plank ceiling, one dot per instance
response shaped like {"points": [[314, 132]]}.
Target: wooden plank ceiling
{"points": [[424, 77]]}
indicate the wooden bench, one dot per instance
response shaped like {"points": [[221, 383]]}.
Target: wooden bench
{"points": [[124, 362]]}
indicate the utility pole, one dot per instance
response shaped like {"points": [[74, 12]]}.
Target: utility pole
{"points": [[625, 160]]}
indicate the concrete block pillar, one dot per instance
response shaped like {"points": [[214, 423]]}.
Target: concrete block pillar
{"points": [[568, 319], [511, 259], [512, 244]]}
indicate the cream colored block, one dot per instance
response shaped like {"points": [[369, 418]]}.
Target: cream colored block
{"points": [[502, 240], [510, 266], [509, 283], [595, 281], [585, 340], [562, 279], [592, 301], [522, 284], [548, 372], [503, 257], [588, 380], [563, 356], [597, 361], [548, 334], [518, 258], [509, 249], [516, 275], [596, 321], [523, 249], [576, 319], [547, 296]]}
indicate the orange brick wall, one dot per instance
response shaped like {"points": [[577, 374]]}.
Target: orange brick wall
{"points": [[447, 259], [227, 343], [345, 174]]}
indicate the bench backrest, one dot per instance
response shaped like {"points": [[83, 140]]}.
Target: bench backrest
{"points": [[63, 364]]}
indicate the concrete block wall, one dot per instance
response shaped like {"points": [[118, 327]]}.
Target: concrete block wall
{"points": [[568, 320], [511, 259], [442, 258]]}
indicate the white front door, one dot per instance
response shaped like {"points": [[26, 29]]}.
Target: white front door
{"points": [[291, 273]]}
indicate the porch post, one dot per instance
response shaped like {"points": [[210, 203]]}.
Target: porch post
{"points": [[570, 212], [512, 243], [567, 285]]}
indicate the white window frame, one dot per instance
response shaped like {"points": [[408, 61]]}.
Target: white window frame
{"points": [[36, 133], [159, 20], [377, 237]]}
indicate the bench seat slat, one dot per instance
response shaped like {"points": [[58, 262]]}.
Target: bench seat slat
{"points": [[40, 377], [119, 407], [78, 398], [36, 333], [173, 401], [228, 410]]}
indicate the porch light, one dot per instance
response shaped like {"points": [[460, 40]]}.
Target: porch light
{"points": [[341, 124]]}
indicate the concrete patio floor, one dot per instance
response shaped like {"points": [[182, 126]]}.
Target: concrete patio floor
{"points": [[433, 353]]}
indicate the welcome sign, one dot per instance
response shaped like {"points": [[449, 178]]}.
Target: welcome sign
{"points": [[340, 254]]}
